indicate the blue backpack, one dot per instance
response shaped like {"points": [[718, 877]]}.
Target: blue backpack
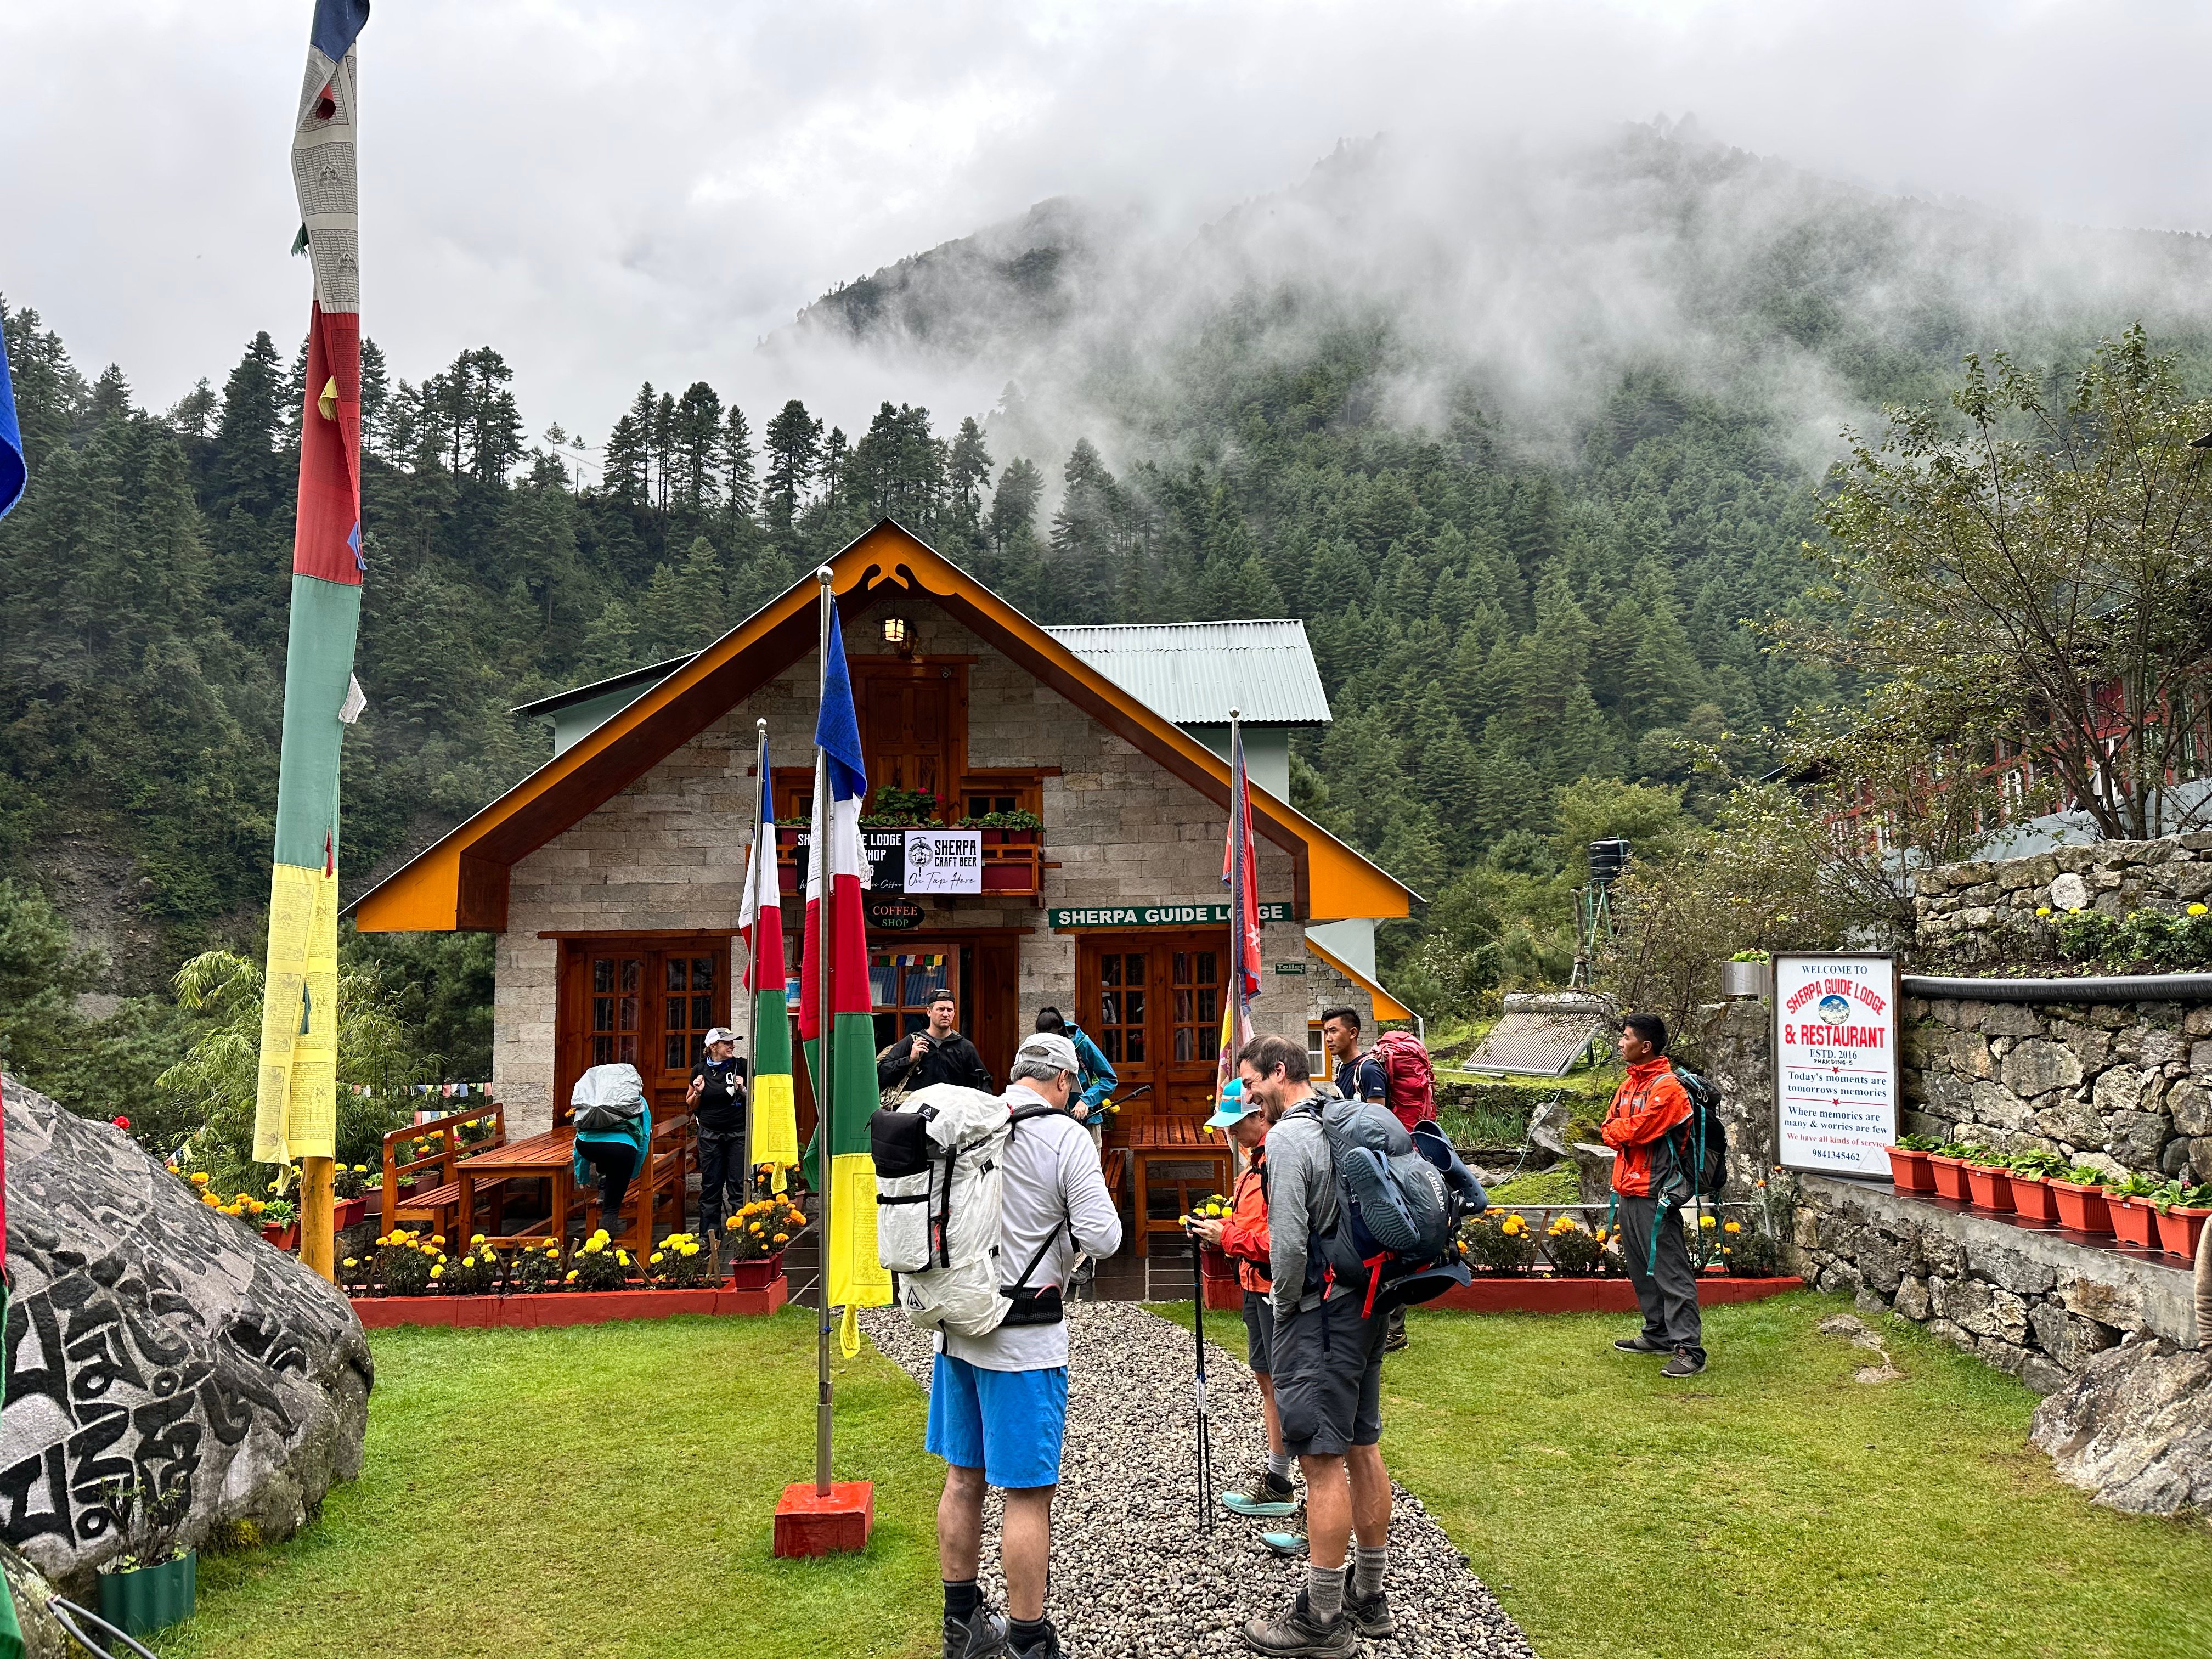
{"points": [[1399, 1200]]}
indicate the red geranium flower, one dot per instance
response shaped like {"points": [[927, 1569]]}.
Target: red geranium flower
{"points": [[120, 1123]]}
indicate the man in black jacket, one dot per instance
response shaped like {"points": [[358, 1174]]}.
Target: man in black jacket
{"points": [[943, 1054]]}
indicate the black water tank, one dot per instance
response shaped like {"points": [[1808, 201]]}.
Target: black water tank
{"points": [[1607, 858]]}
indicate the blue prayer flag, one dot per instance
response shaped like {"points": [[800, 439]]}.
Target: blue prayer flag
{"points": [[12, 470]]}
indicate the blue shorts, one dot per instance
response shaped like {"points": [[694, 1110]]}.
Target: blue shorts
{"points": [[1007, 1424]]}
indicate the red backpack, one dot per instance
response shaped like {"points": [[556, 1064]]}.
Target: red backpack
{"points": [[1409, 1080]]}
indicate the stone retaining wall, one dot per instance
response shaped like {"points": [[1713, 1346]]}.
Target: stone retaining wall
{"points": [[1983, 913], [2037, 1304]]}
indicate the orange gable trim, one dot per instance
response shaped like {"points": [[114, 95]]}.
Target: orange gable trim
{"points": [[460, 882]]}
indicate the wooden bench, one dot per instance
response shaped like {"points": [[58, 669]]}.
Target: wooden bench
{"points": [[453, 1137], [658, 1198]]}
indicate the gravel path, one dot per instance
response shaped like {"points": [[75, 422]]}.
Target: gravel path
{"points": [[1132, 1576]]}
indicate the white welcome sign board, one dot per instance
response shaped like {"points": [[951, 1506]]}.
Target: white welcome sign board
{"points": [[1835, 1061]]}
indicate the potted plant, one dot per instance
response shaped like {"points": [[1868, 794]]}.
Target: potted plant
{"points": [[1500, 1243], [1746, 973], [280, 1224], [1910, 1170], [350, 1191], [536, 1270], [152, 1584], [2080, 1195], [755, 1239], [1572, 1249], [2182, 1212], [1989, 1179], [1213, 1262], [2135, 1219], [2031, 1197], [1947, 1163], [404, 1262], [1019, 828], [681, 1263]]}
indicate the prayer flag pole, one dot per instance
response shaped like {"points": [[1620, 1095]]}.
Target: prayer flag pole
{"points": [[825, 1088]]}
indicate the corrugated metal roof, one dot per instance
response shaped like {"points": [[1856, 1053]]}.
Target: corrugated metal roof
{"points": [[1195, 672]]}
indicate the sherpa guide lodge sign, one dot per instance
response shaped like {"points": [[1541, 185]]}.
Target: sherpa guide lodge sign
{"points": [[1160, 916], [1835, 1061]]}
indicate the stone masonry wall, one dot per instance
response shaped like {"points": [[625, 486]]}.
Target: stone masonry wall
{"points": [[1978, 915], [669, 852]]}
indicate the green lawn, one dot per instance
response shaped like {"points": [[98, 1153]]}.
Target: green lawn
{"points": [[598, 1492], [1773, 1508]]}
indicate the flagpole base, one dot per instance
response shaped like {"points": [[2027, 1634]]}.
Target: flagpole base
{"points": [[807, 1523]]}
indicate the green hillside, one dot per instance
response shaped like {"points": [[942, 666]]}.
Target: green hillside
{"points": [[1532, 491]]}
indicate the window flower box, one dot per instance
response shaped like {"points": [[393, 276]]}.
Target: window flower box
{"points": [[2180, 1227], [1910, 1170], [2032, 1199], [2134, 1222], [1990, 1187], [2082, 1207], [1950, 1174]]}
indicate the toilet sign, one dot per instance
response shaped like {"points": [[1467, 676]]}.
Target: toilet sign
{"points": [[1835, 1061]]}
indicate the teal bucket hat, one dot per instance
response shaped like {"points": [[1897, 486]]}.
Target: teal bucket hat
{"points": [[1231, 1109]]}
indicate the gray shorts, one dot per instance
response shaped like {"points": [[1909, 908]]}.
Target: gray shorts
{"points": [[1330, 1397], [1259, 1332]]}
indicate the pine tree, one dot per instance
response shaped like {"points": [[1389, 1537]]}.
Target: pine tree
{"points": [[740, 491], [375, 397], [966, 469], [793, 446], [697, 436], [243, 469], [625, 464]]}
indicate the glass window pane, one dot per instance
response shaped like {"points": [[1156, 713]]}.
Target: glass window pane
{"points": [[626, 1051], [629, 974], [676, 968], [1109, 1007], [1137, 1046], [1209, 1007], [673, 1017], [923, 983], [675, 1062], [702, 973], [882, 984], [1182, 967], [603, 1014], [602, 974], [1109, 1044], [1182, 1007], [1185, 1044], [626, 1014], [1209, 971], [1109, 970], [603, 1050], [1136, 1007]]}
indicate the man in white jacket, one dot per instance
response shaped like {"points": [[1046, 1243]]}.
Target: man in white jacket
{"points": [[998, 1404]]}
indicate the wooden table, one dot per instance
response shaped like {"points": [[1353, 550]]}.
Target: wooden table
{"points": [[1171, 1140], [550, 1156]]}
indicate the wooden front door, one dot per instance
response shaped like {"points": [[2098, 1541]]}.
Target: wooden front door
{"points": [[914, 725], [1152, 1003], [646, 1003]]}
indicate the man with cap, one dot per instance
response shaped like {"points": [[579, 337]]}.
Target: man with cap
{"points": [[716, 1101], [1242, 1236], [998, 1404]]}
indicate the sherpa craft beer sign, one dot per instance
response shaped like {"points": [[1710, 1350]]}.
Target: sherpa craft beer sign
{"points": [[1835, 1062], [1158, 915], [943, 860]]}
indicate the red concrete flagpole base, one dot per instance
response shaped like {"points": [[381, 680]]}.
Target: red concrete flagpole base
{"points": [[807, 1523]]}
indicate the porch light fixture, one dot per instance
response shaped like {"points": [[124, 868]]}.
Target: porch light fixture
{"points": [[898, 633]]}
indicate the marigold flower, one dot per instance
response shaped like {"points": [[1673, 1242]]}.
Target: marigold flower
{"points": [[783, 1238], [199, 1178], [572, 1276], [1706, 1221], [353, 1261], [2194, 910], [437, 1239], [622, 1257], [654, 1257], [1732, 1227], [438, 1271], [476, 1238]]}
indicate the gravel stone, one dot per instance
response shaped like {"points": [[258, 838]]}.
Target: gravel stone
{"points": [[1132, 1575]]}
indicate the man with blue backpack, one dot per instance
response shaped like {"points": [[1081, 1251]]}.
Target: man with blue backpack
{"points": [[1362, 1216], [1654, 1176]]}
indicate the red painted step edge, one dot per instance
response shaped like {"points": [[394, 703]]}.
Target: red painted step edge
{"points": [[561, 1308], [807, 1523]]}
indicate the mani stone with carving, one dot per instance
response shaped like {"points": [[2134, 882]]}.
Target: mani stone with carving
{"points": [[151, 1339]]}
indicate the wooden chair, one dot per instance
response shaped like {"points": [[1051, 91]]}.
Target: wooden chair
{"points": [[457, 1135]]}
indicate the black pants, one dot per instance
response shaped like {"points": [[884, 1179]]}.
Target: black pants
{"points": [[721, 1173], [1666, 1284], [616, 1164]]}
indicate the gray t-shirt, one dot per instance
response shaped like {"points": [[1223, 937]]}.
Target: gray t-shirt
{"points": [[1051, 1184]]}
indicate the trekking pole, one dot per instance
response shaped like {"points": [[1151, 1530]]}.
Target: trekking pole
{"points": [[1204, 1417]]}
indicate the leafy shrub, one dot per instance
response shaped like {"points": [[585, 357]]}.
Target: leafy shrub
{"points": [[761, 1228], [2134, 1185], [1499, 1243], [2038, 1164], [1916, 1143], [2143, 941], [2082, 1174], [682, 1263], [599, 1265], [535, 1269], [1572, 1249], [2180, 1192], [475, 1272], [1748, 1253], [406, 1263]]}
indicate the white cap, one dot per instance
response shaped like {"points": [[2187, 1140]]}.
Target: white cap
{"points": [[1051, 1047], [719, 1033]]}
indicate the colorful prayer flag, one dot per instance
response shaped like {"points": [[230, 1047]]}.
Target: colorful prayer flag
{"points": [[776, 1117], [1240, 873], [855, 1278], [295, 1110], [13, 472]]}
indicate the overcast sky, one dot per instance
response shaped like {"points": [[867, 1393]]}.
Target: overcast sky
{"points": [[615, 190]]}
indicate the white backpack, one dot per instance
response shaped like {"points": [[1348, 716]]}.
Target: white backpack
{"points": [[938, 1154]]}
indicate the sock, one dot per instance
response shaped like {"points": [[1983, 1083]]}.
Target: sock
{"points": [[1023, 1633], [1367, 1569], [961, 1600], [1324, 1593], [1279, 1465]]}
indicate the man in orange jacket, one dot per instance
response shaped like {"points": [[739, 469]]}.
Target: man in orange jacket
{"points": [[1242, 1236], [1651, 1182]]}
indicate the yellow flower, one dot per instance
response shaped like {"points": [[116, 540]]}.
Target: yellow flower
{"points": [[600, 1233], [476, 1238], [361, 1168], [2196, 909], [693, 1250], [1732, 1227], [1707, 1221], [654, 1257], [438, 1271], [437, 1239], [552, 1249], [353, 1261], [2042, 910], [572, 1277], [384, 1239], [199, 1178], [593, 1245], [622, 1257], [782, 1239]]}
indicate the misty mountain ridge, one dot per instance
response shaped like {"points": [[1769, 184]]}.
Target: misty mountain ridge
{"points": [[1531, 280]]}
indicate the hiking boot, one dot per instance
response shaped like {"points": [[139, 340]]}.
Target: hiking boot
{"points": [[1639, 1344], [1290, 1545], [1371, 1616], [1297, 1634], [1394, 1341], [1684, 1363], [1048, 1647], [983, 1636], [1267, 1496]]}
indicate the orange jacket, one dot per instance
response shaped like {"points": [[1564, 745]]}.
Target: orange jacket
{"points": [[1649, 1102], [1244, 1232]]}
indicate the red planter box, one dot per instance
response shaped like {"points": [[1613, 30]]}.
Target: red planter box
{"points": [[1991, 1188], [348, 1213], [1223, 1296], [1215, 1263], [2178, 1229], [560, 1307], [2081, 1208], [1546, 1294], [284, 1238], [755, 1275], [1950, 1174], [2134, 1222], [1910, 1171], [2033, 1200]]}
